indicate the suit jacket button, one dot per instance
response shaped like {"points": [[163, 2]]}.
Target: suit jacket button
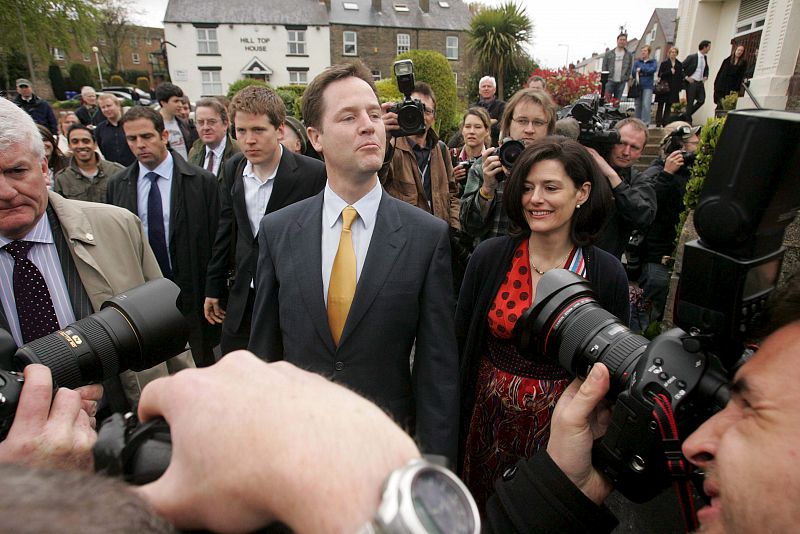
{"points": [[339, 366]]}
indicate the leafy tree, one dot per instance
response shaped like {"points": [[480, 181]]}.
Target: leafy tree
{"points": [[516, 77], [57, 81], [12, 66], [114, 26], [79, 75], [36, 25], [238, 85], [496, 38], [433, 68]]}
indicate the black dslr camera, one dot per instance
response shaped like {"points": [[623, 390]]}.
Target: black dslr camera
{"points": [[596, 124], [675, 142], [410, 112], [135, 330], [749, 197]]}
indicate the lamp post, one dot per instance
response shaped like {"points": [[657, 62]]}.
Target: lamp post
{"points": [[566, 60], [97, 60]]}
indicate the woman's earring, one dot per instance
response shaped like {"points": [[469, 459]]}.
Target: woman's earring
{"points": [[578, 206]]}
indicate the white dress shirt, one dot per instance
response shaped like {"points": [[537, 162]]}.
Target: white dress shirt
{"points": [[164, 183], [697, 75], [257, 193], [362, 228], [217, 156]]}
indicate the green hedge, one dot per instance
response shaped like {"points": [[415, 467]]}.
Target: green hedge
{"points": [[238, 85]]}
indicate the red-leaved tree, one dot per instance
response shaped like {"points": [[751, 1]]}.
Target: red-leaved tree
{"points": [[567, 85]]}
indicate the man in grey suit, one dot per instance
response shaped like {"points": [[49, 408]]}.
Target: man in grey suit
{"points": [[348, 281]]}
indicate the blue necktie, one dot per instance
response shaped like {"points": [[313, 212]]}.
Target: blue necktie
{"points": [[35, 310], [155, 226]]}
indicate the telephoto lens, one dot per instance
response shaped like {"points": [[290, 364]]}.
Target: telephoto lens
{"points": [[136, 330]]}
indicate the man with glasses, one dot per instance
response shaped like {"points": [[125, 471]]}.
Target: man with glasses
{"points": [[215, 145], [529, 115], [418, 169]]}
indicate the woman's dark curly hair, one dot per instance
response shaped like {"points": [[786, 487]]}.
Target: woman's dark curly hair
{"points": [[591, 218]]}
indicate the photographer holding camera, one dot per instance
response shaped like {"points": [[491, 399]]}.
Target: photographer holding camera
{"points": [[634, 195], [529, 115], [417, 167], [654, 245]]}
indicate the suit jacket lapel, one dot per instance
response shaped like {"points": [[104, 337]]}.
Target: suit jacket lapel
{"points": [[306, 251], [176, 199], [388, 239], [240, 206], [285, 181]]}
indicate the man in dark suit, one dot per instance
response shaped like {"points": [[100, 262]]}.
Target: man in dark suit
{"points": [[350, 280], [178, 204], [214, 146], [695, 70], [264, 179]]}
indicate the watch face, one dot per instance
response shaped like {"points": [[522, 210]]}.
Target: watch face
{"points": [[441, 505]]}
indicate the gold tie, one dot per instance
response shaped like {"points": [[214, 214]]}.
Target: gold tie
{"points": [[342, 285]]}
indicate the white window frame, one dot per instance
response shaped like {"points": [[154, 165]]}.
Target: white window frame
{"points": [[450, 49], [57, 54], [403, 43], [135, 59], [352, 41], [298, 77], [376, 75], [298, 39], [211, 82], [207, 43]]}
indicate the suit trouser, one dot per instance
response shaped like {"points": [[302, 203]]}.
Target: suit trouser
{"points": [[695, 97], [239, 339], [203, 337]]}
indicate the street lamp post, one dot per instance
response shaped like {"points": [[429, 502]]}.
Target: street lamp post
{"points": [[97, 60], [566, 61]]}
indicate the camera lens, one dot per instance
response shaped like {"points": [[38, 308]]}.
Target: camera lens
{"points": [[509, 152], [410, 118], [567, 325], [134, 330]]}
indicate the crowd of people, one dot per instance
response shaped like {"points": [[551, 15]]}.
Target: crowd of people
{"points": [[342, 267]]}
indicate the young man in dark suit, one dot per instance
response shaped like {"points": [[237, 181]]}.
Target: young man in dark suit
{"points": [[695, 70], [178, 204], [350, 280], [264, 178]]}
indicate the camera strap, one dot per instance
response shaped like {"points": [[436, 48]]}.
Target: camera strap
{"points": [[679, 467]]}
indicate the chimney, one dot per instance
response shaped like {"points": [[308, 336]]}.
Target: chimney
{"points": [[376, 6], [425, 6]]}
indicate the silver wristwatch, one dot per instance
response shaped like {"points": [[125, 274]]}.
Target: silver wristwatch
{"points": [[424, 498]]}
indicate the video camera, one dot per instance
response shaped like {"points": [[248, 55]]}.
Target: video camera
{"points": [[135, 330], [410, 112], [749, 197], [596, 123]]}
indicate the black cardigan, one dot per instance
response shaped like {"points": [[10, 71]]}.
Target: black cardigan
{"points": [[486, 270]]}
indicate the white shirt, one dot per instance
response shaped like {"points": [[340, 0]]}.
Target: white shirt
{"points": [[697, 75], [257, 193], [362, 228], [164, 170], [217, 156], [45, 256], [619, 57], [176, 140]]}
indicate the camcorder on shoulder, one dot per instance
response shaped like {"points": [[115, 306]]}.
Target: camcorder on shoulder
{"points": [[134, 330], [596, 123], [410, 112], [680, 379]]}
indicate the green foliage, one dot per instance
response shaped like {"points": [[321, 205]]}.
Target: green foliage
{"points": [[292, 97], [116, 79], [79, 75], [60, 105], [709, 137], [131, 76], [238, 85], [729, 101], [496, 38], [388, 91], [433, 68], [57, 81], [12, 64], [143, 83]]}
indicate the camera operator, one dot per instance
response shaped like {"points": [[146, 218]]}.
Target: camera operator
{"points": [[418, 169], [529, 115], [634, 194], [57, 435], [669, 174]]}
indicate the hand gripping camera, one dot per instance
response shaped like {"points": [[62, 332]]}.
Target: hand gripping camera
{"points": [[749, 197], [410, 112]]}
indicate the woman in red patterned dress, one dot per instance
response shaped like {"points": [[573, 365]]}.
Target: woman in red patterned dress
{"points": [[558, 202]]}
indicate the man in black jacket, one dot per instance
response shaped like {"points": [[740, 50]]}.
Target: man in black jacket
{"points": [[695, 70], [265, 178], [634, 196], [39, 109], [178, 204]]}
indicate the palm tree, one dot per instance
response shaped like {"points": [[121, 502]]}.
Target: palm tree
{"points": [[497, 36]]}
